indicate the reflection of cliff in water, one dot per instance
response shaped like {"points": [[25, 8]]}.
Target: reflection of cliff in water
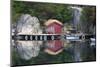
{"points": [[28, 25], [73, 52], [33, 52]]}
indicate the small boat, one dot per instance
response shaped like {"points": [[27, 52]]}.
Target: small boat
{"points": [[93, 39]]}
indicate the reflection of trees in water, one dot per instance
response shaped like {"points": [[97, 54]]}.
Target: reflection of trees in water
{"points": [[78, 51], [81, 51], [88, 52], [73, 52], [28, 52]]}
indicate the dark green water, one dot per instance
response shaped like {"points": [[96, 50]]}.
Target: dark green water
{"points": [[73, 52]]}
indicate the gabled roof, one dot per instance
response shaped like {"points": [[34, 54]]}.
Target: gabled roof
{"points": [[53, 53], [50, 21]]}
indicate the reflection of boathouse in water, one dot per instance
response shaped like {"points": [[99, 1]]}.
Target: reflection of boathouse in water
{"points": [[54, 47], [30, 26]]}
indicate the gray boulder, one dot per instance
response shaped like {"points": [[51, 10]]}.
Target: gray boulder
{"points": [[28, 25]]}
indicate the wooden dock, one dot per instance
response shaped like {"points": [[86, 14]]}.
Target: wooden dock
{"points": [[45, 37]]}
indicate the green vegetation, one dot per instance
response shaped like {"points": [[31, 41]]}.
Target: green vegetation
{"points": [[88, 20], [42, 11], [47, 11]]}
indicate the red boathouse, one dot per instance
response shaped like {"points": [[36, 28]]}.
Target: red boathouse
{"points": [[53, 26], [54, 47]]}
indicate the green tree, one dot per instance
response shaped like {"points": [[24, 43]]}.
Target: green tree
{"points": [[43, 11], [88, 19]]}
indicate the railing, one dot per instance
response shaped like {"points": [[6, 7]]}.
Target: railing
{"points": [[52, 37]]}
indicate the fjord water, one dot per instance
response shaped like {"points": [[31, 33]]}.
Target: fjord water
{"points": [[33, 52]]}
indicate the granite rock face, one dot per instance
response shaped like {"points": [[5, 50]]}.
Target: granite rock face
{"points": [[28, 25]]}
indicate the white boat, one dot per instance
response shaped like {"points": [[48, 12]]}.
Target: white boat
{"points": [[93, 39]]}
